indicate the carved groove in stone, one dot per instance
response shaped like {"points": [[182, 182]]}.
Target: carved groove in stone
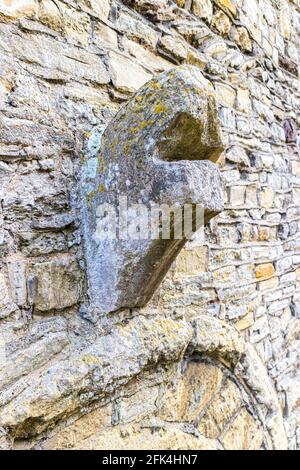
{"points": [[159, 148]]}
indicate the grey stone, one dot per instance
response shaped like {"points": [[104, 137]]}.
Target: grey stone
{"points": [[157, 150]]}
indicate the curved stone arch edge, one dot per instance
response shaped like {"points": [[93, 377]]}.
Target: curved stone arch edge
{"points": [[113, 360]]}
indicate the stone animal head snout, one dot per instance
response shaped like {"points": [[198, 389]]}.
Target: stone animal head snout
{"points": [[160, 149]]}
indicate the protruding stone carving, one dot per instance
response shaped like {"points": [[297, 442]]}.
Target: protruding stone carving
{"points": [[159, 149]]}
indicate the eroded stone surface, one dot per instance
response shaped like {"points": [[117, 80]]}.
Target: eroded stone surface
{"points": [[156, 151]]}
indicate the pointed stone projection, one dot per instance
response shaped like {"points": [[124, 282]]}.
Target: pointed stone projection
{"points": [[159, 150]]}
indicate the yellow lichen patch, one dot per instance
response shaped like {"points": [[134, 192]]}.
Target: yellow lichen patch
{"points": [[90, 198], [102, 188], [146, 124], [160, 108]]}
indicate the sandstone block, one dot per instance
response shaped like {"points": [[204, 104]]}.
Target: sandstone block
{"points": [[126, 75], [188, 396], [268, 284], [243, 100], [203, 9], [242, 39], [244, 433], [246, 322], [285, 22], [18, 8], [221, 23], [55, 285], [225, 95], [50, 15], [237, 196], [228, 6], [266, 196], [192, 262], [264, 271], [17, 272], [174, 47], [6, 304]]}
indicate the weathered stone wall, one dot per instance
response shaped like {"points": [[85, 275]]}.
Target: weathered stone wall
{"points": [[213, 360]]}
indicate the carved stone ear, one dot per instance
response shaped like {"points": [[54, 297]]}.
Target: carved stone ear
{"points": [[158, 150]]}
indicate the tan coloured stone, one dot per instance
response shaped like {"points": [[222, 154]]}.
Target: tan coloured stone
{"points": [[169, 438], [237, 196], [147, 58], [57, 284], [186, 398], [76, 25], [227, 5], [203, 9], [100, 7], [225, 95], [268, 284], [246, 322], [126, 75], [174, 47], [264, 233], [223, 406], [243, 100], [243, 434], [192, 261], [81, 429], [197, 59], [221, 23], [264, 271], [295, 167], [50, 15], [285, 22], [105, 35], [242, 39], [18, 8], [266, 197]]}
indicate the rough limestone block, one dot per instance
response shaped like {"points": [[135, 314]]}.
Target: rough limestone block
{"points": [[203, 9], [6, 305], [18, 8], [157, 150], [55, 285], [17, 278]]}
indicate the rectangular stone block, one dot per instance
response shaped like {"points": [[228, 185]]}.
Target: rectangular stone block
{"points": [[268, 284], [17, 277], [192, 262], [55, 285], [259, 330], [6, 304], [237, 196], [124, 81], [264, 271], [225, 95], [228, 6], [18, 8]]}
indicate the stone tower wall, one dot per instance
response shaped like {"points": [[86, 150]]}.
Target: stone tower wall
{"points": [[213, 360]]}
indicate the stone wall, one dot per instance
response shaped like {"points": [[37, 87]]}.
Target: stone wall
{"points": [[213, 360]]}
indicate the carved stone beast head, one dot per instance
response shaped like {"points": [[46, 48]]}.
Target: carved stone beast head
{"points": [[160, 149]]}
